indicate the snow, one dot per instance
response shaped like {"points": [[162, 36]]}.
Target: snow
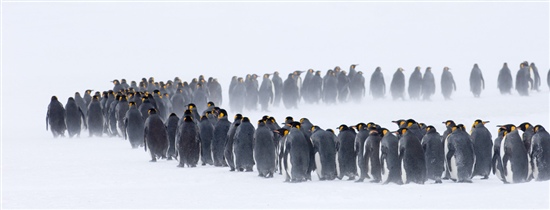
{"points": [[60, 48]]}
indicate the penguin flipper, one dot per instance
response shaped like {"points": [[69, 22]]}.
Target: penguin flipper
{"points": [[448, 158], [505, 160], [47, 118]]}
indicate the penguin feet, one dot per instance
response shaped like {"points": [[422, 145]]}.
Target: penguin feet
{"points": [[169, 158], [485, 177], [153, 160], [375, 181], [181, 165], [351, 178], [203, 164], [232, 169], [248, 170], [360, 180], [269, 175], [438, 182], [465, 181]]}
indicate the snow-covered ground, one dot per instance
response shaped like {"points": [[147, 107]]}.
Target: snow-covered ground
{"points": [[60, 48]]}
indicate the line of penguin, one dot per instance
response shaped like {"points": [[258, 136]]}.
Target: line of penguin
{"points": [[338, 86], [414, 153]]}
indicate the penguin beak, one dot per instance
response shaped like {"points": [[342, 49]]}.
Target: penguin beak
{"points": [[484, 122]]}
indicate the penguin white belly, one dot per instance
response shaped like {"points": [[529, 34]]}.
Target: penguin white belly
{"points": [[529, 168], [535, 169], [508, 165], [454, 172], [403, 173], [319, 169], [368, 167], [509, 172], [288, 170], [337, 165]]}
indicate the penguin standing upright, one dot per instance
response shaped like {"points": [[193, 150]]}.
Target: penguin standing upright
{"points": [[156, 136], [251, 99], [343, 85], [415, 84], [449, 124], [512, 161], [171, 128], [238, 96], [80, 102], [215, 90], [448, 84], [540, 154], [483, 145], [434, 154], [200, 98], [371, 154], [504, 80], [377, 84], [459, 155], [265, 95], [390, 165], [357, 87], [95, 117], [74, 117], [305, 91], [206, 132], [496, 162], [397, 85], [228, 152], [324, 149], [330, 87], [111, 117], [523, 79], [536, 77], [277, 88], [296, 155], [188, 142], [243, 146], [134, 125], [120, 111], [291, 92], [145, 106], [264, 150], [220, 137], [411, 156], [316, 87], [477, 84], [55, 118], [528, 132], [346, 152], [428, 84], [360, 138]]}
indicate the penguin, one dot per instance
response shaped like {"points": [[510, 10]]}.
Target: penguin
{"points": [[243, 146], [428, 84], [228, 152], [188, 142], [171, 128], [459, 155], [200, 98], [504, 81], [264, 150], [401, 123], [251, 98], [540, 154], [415, 84], [496, 162], [215, 90], [352, 71], [55, 118], [238, 96], [343, 85], [220, 137], [296, 155], [316, 88], [356, 87], [120, 111], [346, 152], [178, 102], [95, 117], [330, 87], [477, 84], [483, 144], [305, 127], [371, 154], [512, 157], [117, 86], [397, 85], [528, 132], [434, 154], [523, 79], [156, 136], [74, 118], [448, 84], [306, 86], [265, 94], [360, 138], [87, 98], [377, 84], [291, 92], [134, 126], [80, 103], [145, 106], [414, 127], [162, 108], [536, 77], [206, 132], [111, 117], [277, 88], [411, 156], [324, 148], [390, 165]]}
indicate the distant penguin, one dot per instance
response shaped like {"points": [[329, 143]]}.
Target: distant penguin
{"points": [[390, 164], [264, 150], [504, 80], [330, 87], [536, 77], [291, 92], [459, 155], [415, 84], [428, 84], [134, 126], [306, 86], [206, 132], [95, 117], [221, 129], [371, 154], [434, 154], [215, 90], [377, 84], [523, 79], [352, 71], [483, 145], [512, 160], [172, 127], [87, 98], [316, 88], [357, 87], [55, 118], [243, 146], [120, 111], [277, 88], [540, 154], [238, 96], [397, 85], [228, 152], [448, 84], [80, 102], [156, 136], [188, 142], [360, 138], [346, 152], [324, 149], [265, 94], [343, 86], [411, 156], [296, 155], [145, 106], [477, 83], [74, 117], [251, 98]]}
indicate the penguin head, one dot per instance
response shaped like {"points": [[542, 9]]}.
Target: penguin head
{"points": [[210, 103], [428, 69], [289, 119], [116, 82], [133, 83], [476, 66], [188, 119], [479, 122], [166, 95], [151, 111], [445, 68], [222, 113], [295, 124], [187, 112], [532, 65], [401, 132], [261, 123], [360, 126], [430, 129], [417, 68], [378, 69], [71, 99], [422, 125], [314, 128], [245, 119], [191, 106], [400, 69], [266, 76], [343, 127], [282, 132], [384, 131], [449, 123], [410, 122], [399, 123], [524, 126], [131, 104], [54, 98], [302, 120], [94, 98], [353, 66], [204, 117], [276, 73], [238, 117], [151, 80], [539, 128], [265, 118], [330, 130], [508, 127], [173, 115], [272, 119], [240, 80]]}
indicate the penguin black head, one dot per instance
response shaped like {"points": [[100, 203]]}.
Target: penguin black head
{"points": [[478, 122], [401, 131], [70, 99], [295, 125], [88, 91], [238, 117], [151, 80], [272, 120], [400, 69], [276, 73], [429, 69], [430, 129], [76, 94], [330, 130], [222, 113], [116, 82], [210, 103], [54, 98], [383, 131], [343, 127], [449, 123], [166, 95], [445, 68], [188, 119], [261, 122], [539, 128], [282, 132], [399, 122], [302, 120], [458, 127], [95, 98], [361, 126], [410, 122], [266, 75], [240, 79], [245, 119], [314, 128], [524, 126], [187, 112], [289, 119], [191, 106], [173, 114], [131, 104], [204, 117], [476, 66], [353, 66], [151, 111], [508, 127], [378, 69]]}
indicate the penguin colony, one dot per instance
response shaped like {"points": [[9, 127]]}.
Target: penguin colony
{"points": [[338, 86], [173, 120]]}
